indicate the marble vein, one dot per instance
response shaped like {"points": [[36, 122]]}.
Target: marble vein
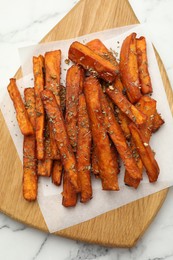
{"points": [[41, 247]]}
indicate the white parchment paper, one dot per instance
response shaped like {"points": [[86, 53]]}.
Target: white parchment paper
{"points": [[58, 217]]}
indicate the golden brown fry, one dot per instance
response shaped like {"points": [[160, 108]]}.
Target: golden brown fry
{"points": [[158, 122], [94, 162], [144, 76], [74, 85], [69, 194], [57, 172], [84, 151], [53, 72], [38, 65], [98, 47], [29, 151], [52, 80], [54, 114], [107, 166], [145, 153], [84, 56], [116, 134], [129, 68], [21, 113], [126, 107]]}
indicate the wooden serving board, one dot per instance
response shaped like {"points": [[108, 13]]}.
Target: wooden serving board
{"points": [[121, 227]]}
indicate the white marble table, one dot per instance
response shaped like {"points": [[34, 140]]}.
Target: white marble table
{"points": [[24, 23]]}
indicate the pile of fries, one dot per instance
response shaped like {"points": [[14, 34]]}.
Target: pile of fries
{"points": [[104, 114]]}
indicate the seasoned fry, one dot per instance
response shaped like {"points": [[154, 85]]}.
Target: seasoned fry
{"points": [[119, 140], [74, 85], [107, 166], [21, 113], [129, 68], [126, 107], [158, 122], [54, 114], [94, 162], [145, 153], [38, 65], [53, 71], [69, 194], [29, 151], [98, 47], [82, 55], [57, 172], [144, 77], [84, 151]]}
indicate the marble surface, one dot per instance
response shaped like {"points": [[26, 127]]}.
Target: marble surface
{"points": [[26, 22]]}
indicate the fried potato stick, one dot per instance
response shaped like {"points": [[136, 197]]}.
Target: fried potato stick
{"points": [[144, 76], [74, 85], [57, 172], [84, 151], [98, 47], [125, 106], [145, 153], [29, 151], [129, 68], [94, 162], [38, 65], [54, 114], [117, 137], [69, 195], [108, 173], [158, 122], [91, 61], [21, 113]]}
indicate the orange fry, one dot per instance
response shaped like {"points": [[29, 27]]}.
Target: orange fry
{"points": [[144, 76], [125, 106], [21, 113], [54, 114], [145, 153], [38, 65], [94, 162], [129, 68], [57, 172], [116, 134], [29, 151], [84, 56], [69, 194], [83, 151], [99, 48], [107, 166], [158, 122], [74, 85]]}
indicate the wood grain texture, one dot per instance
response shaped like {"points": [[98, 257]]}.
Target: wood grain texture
{"points": [[117, 227]]}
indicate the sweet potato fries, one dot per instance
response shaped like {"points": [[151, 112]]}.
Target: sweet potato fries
{"points": [[102, 117]]}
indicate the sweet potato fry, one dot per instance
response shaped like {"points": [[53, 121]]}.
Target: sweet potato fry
{"points": [[74, 85], [108, 173], [94, 162], [145, 153], [129, 68], [21, 113], [52, 80], [158, 122], [29, 151], [54, 114], [144, 76], [69, 194], [53, 71], [125, 106], [82, 55], [84, 151], [116, 134], [38, 65], [99, 48], [57, 172], [147, 106]]}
